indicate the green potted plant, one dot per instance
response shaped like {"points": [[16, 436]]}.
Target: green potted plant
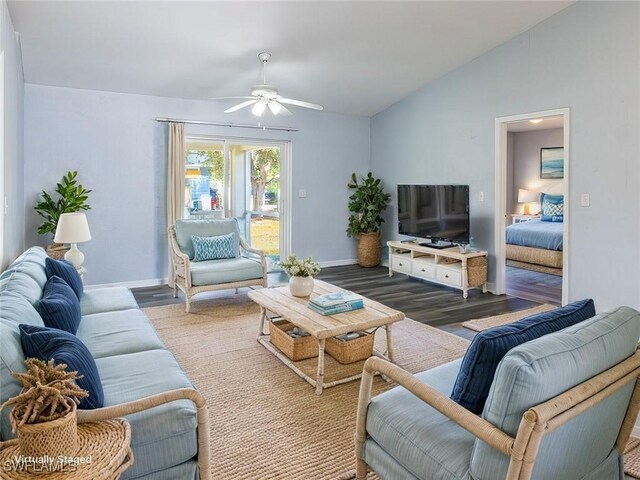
{"points": [[366, 205], [301, 274], [71, 197]]}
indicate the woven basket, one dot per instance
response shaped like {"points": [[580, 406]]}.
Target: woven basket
{"points": [[369, 249], [476, 271], [54, 438], [56, 251], [350, 351], [294, 348]]}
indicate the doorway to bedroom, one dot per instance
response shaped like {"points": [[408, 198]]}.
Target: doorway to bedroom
{"points": [[532, 201]]}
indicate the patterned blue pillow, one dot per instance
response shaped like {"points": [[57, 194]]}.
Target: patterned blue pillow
{"points": [[481, 361], [66, 272], [552, 218], [47, 343], [59, 307], [214, 248], [552, 204]]}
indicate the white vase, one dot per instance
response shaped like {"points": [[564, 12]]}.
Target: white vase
{"points": [[301, 286]]}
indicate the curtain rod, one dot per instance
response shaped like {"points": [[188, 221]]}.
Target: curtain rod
{"points": [[223, 124]]}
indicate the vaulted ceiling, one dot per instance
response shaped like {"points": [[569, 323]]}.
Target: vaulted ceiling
{"points": [[352, 57]]}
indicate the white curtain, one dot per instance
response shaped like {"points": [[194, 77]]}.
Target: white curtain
{"points": [[175, 180]]}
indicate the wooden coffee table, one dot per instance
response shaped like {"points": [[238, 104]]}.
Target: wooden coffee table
{"points": [[295, 310]]}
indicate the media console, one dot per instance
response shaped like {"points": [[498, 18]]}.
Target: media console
{"points": [[447, 266]]}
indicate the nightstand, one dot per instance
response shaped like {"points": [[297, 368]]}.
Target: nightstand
{"points": [[515, 218]]}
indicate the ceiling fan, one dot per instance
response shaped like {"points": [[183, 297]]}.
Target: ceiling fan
{"points": [[264, 95]]}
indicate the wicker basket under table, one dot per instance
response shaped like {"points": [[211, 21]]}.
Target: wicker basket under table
{"points": [[107, 444], [350, 351], [295, 349]]}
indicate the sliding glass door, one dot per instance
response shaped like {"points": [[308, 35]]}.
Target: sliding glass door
{"points": [[240, 178]]}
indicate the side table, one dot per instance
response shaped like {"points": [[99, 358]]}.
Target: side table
{"points": [[104, 452]]}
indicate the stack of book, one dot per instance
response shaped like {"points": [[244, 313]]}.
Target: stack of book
{"points": [[339, 302]]}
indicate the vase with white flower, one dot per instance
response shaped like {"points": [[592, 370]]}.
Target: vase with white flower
{"points": [[302, 273]]}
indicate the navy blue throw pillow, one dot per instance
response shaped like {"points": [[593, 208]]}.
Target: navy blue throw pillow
{"points": [[59, 307], [488, 347], [47, 343], [65, 271]]}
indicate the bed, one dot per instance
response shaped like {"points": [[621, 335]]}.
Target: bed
{"points": [[535, 245]]}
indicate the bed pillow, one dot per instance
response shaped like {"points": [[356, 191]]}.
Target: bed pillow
{"points": [[552, 204], [481, 361], [65, 271], [59, 307], [552, 218], [50, 343], [214, 248]]}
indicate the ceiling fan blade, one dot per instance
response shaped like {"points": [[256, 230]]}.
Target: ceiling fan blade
{"points": [[241, 105], [277, 108], [227, 98], [284, 111], [300, 103]]}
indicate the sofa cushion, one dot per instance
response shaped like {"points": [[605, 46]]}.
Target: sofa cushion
{"points": [[214, 248], [59, 307], [11, 360], [16, 281], [50, 343], [116, 333], [537, 371], [106, 299], [425, 442], [163, 436], [212, 272], [202, 228], [65, 271], [488, 347], [15, 308]]}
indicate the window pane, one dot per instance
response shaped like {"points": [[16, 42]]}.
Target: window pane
{"points": [[204, 181]]}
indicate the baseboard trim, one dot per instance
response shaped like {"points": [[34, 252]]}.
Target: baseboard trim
{"points": [[338, 263], [152, 282]]}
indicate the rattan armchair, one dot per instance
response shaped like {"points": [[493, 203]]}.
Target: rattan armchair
{"points": [[415, 431], [182, 270]]}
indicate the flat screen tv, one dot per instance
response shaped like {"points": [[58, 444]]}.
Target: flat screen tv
{"points": [[437, 213]]}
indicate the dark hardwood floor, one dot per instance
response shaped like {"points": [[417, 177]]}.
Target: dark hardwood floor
{"points": [[425, 302], [535, 286]]}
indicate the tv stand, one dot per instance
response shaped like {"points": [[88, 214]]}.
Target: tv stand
{"points": [[443, 265]]}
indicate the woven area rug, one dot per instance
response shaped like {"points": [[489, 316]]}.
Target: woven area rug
{"points": [[632, 457], [266, 422], [484, 323]]}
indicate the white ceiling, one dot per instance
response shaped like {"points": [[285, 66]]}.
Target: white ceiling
{"points": [[527, 126], [352, 57]]}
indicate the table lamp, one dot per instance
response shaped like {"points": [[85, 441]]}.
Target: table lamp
{"points": [[526, 196], [73, 229]]}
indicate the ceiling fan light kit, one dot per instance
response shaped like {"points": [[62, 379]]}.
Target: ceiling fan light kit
{"points": [[265, 95]]}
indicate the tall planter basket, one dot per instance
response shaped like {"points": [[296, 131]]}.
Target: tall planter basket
{"points": [[369, 249], [54, 438]]}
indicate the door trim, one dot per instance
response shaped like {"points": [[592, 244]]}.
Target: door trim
{"points": [[501, 194]]}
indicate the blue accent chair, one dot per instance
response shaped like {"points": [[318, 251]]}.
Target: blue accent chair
{"points": [[560, 406], [248, 268]]}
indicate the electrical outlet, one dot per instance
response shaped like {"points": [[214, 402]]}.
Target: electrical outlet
{"points": [[585, 200], [302, 193], [482, 196]]}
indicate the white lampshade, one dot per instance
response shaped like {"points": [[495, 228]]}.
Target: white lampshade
{"points": [[525, 196], [72, 228]]}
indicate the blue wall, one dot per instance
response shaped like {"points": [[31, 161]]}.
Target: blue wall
{"points": [[120, 152], [587, 57]]}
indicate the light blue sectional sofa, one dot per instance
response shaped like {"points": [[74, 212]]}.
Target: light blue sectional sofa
{"points": [[132, 362]]}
